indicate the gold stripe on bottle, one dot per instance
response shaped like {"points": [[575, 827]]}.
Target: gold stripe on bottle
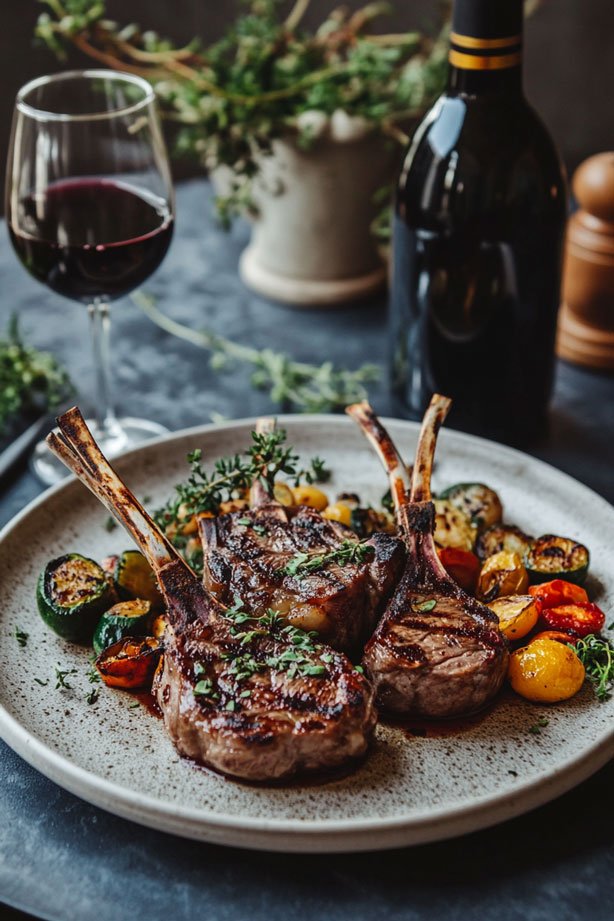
{"points": [[468, 41], [488, 62]]}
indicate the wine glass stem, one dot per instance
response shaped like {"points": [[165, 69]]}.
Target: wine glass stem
{"points": [[100, 324]]}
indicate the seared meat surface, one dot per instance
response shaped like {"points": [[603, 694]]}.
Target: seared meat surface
{"points": [[245, 554], [254, 698], [246, 699], [437, 652]]}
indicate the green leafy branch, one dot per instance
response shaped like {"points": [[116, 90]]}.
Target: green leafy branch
{"points": [[31, 381], [230, 100], [293, 385]]}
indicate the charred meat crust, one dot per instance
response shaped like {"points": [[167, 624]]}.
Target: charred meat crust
{"points": [[245, 553]]}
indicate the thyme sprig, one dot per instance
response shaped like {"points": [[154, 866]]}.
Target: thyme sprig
{"points": [[31, 381], [268, 457], [61, 678], [293, 385], [264, 78], [21, 636], [597, 656], [347, 553]]}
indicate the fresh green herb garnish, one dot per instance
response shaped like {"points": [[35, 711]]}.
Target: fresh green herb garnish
{"points": [[134, 705], [93, 696], [93, 676], [292, 385], [61, 677], [42, 683], [264, 78], [537, 727], [597, 657], [424, 606], [347, 553], [204, 687], [30, 381], [110, 524], [21, 636]]}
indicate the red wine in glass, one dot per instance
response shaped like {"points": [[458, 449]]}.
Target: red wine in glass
{"points": [[92, 238], [89, 205]]}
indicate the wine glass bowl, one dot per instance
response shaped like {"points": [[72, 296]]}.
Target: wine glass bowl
{"points": [[90, 208]]}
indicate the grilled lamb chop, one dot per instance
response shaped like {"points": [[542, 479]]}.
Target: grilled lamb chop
{"points": [[249, 697], [437, 652], [246, 553]]}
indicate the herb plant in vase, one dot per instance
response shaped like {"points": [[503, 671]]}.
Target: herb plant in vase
{"points": [[298, 128]]}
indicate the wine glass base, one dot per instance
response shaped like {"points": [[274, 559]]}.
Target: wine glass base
{"points": [[126, 434]]}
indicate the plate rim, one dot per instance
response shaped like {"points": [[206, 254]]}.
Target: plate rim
{"points": [[304, 835]]}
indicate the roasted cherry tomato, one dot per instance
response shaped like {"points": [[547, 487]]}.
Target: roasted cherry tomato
{"points": [[462, 565], [580, 618], [546, 671], [557, 592], [556, 635], [130, 664], [517, 615]]}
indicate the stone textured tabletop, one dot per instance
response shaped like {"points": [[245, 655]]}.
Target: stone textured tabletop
{"points": [[63, 859]]}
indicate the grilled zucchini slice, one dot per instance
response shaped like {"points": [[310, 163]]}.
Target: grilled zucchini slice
{"points": [[453, 527], [127, 618], [71, 594], [135, 579], [479, 502], [503, 537], [552, 557]]}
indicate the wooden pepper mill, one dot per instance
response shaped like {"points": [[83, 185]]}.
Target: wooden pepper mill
{"points": [[586, 320]]}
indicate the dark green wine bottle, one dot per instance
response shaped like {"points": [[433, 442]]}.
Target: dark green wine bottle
{"points": [[477, 240]]}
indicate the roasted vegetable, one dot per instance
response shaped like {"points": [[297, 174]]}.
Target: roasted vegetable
{"points": [[558, 635], [135, 579], [479, 502], [546, 671], [340, 512], [517, 615], [556, 592], [502, 574], [158, 626], [579, 618], [552, 557], [453, 528], [310, 496], [462, 565], [503, 537], [72, 593], [127, 618], [130, 664], [283, 494]]}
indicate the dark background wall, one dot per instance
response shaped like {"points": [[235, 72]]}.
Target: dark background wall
{"points": [[569, 55]]}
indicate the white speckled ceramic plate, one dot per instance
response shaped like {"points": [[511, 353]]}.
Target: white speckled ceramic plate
{"points": [[411, 788]]}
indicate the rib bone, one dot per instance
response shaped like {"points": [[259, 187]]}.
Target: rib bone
{"points": [[437, 652]]}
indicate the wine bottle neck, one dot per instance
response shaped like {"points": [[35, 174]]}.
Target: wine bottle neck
{"points": [[480, 83], [486, 47]]}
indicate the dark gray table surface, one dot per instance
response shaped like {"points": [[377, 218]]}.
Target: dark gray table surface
{"points": [[63, 859]]}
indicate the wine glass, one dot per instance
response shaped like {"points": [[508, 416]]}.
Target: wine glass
{"points": [[90, 211]]}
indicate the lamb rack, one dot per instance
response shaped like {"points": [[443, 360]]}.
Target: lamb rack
{"points": [[249, 696], [252, 554], [437, 652]]}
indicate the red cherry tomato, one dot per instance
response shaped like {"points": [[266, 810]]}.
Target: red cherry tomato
{"points": [[462, 565], [557, 592], [580, 618]]}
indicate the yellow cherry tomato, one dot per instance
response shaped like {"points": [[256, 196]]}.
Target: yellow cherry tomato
{"points": [[338, 511], [311, 496], [283, 493], [517, 615], [546, 671], [502, 574]]}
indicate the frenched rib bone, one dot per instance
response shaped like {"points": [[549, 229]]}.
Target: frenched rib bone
{"points": [[437, 652], [246, 552], [229, 688]]}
